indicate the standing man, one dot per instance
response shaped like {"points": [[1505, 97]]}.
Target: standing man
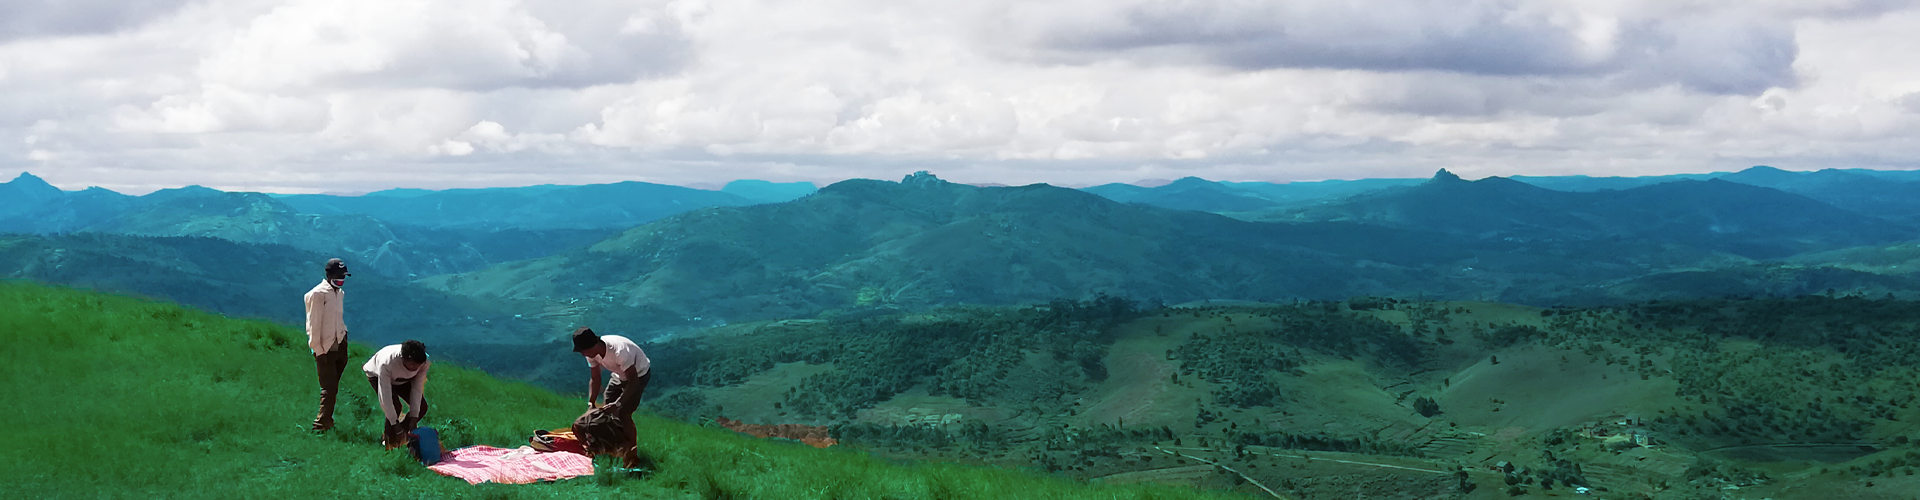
{"points": [[327, 337], [628, 367], [399, 371]]}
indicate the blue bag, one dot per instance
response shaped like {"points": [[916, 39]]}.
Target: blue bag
{"points": [[425, 445]]}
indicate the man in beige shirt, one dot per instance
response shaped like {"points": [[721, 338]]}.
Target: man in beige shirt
{"points": [[327, 337]]}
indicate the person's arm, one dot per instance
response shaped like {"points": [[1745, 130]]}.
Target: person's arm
{"points": [[385, 394], [342, 318], [593, 386], [419, 392], [316, 314]]}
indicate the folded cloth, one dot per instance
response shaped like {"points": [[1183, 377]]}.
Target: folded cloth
{"points": [[556, 440], [480, 464]]}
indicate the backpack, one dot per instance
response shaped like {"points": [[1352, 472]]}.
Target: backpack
{"points": [[425, 445]]}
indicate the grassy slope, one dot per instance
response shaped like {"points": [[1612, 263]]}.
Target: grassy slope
{"points": [[119, 397]]}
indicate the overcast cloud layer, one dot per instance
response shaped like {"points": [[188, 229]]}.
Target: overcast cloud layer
{"points": [[355, 95]]}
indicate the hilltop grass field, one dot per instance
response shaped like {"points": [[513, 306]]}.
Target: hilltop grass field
{"points": [[116, 397]]}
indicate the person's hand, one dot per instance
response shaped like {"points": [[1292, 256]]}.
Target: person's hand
{"points": [[390, 437]]}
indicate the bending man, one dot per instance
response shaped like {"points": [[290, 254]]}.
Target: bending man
{"points": [[396, 372], [628, 369]]}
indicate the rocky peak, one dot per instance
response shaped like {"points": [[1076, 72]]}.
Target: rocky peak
{"points": [[922, 179]]}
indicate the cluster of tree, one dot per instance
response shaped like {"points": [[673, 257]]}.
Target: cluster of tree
{"points": [[907, 436], [1239, 364], [1323, 442], [1506, 335], [1426, 406], [1792, 388], [1242, 362], [975, 353], [1903, 465], [1705, 470]]}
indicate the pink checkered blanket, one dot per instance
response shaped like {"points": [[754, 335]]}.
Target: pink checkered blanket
{"points": [[479, 464]]}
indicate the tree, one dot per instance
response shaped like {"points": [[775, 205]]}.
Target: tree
{"points": [[1426, 406]]}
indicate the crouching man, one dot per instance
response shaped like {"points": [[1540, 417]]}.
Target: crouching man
{"points": [[398, 374]]}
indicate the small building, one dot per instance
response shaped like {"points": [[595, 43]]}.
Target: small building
{"points": [[1642, 437]]}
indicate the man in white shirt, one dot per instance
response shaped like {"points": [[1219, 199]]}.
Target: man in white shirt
{"points": [[327, 337], [396, 372], [629, 369]]}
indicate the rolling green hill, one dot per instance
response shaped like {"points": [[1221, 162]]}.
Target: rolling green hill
{"points": [[924, 242], [367, 242], [1791, 398], [1190, 193], [1897, 259], [1891, 198], [120, 398], [759, 191], [259, 281]]}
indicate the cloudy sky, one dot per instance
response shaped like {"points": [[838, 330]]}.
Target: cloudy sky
{"points": [[355, 95]]}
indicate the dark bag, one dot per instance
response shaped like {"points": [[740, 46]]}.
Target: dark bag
{"points": [[425, 445], [603, 430]]}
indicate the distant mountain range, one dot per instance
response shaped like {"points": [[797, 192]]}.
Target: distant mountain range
{"points": [[1892, 195], [926, 241], [677, 257], [407, 232], [923, 241], [1718, 215], [1194, 193], [598, 206]]}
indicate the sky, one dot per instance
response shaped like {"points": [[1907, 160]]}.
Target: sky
{"points": [[357, 95]]}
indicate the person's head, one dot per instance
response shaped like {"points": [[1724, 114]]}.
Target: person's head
{"points": [[413, 354], [337, 272], [588, 344]]}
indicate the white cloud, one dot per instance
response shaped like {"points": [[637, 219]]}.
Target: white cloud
{"points": [[487, 92]]}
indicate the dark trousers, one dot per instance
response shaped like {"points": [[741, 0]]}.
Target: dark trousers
{"points": [[400, 391], [329, 366], [624, 397], [626, 394]]}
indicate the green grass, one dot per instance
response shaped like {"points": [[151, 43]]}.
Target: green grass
{"points": [[114, 397]]}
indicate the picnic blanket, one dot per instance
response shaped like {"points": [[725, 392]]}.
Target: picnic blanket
{"points": [[479, 464]]}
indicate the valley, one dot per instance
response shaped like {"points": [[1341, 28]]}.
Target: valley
{"points": [[1398, 338]]}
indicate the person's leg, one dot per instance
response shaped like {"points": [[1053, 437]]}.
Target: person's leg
{"points": [[630, 392], [329, 366], [612, 392], [629, 398]]}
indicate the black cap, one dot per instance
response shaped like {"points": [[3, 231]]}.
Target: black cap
{"points": [[584, 339], [337, 269]]}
